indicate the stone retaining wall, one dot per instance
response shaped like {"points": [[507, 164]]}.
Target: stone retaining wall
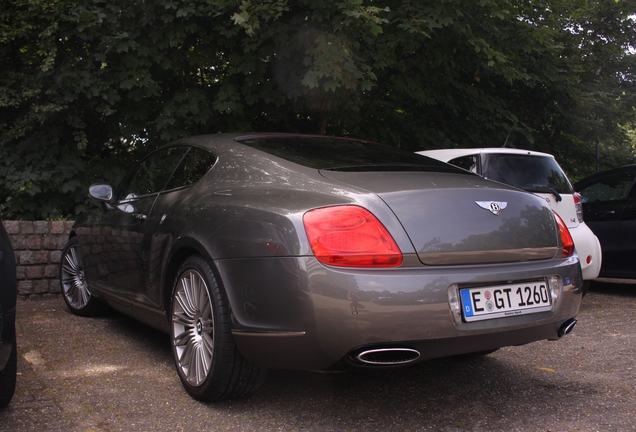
{"points": [[38, 247]]}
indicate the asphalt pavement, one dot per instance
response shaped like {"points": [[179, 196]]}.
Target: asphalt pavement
{"points": [[111, 373]]}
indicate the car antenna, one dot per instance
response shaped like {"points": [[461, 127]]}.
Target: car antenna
{"points": [[506, 141]]}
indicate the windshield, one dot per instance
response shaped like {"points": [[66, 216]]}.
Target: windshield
{"points": [[528, 172], [340, 154]]}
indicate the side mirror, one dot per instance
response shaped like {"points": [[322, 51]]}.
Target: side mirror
{"points": [[102, 192]]}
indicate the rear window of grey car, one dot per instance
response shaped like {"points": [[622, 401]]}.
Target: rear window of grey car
{"points": [[525, 171], [346, 154]]}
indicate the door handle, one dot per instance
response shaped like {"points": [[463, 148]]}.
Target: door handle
{"points": [[605, 212]]}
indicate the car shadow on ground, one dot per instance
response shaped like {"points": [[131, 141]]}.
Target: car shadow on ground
{"points": [[113, 373], [620, 289], [138, 333], [451, 392]]}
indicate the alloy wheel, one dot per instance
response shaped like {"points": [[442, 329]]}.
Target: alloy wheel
{"points": [[73, 279], [193, 327]]}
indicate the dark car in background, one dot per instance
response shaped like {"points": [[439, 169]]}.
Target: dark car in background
{"points": [[318, 253], [609, 205], [8, 294]]}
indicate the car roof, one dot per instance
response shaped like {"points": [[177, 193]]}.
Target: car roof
{"points": [[318, 151], [233, 140], [448, 154]]}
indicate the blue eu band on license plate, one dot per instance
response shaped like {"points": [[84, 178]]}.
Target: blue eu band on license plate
{"points": [[505, 300]]}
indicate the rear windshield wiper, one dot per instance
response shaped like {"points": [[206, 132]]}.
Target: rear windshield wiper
{"points": [[545, 190]]}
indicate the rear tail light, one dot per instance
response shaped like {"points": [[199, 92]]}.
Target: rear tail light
{"points": [[567, 244], [579, 206], [350, 236]]}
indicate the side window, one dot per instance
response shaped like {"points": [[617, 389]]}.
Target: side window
{"points": [[610, 188], [152, 174], [469, 163], [194, 166]]}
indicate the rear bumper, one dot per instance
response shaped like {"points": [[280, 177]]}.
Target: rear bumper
{"points": [[300, 314], [588, 248]]}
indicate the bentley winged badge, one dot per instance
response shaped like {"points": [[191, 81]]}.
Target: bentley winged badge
{"points": [[495, 207]]}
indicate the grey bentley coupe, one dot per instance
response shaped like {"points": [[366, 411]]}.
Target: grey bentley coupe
{"points": [[277, 251]]}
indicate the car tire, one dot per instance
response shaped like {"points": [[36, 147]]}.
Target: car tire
{"points": [[75, 290], [586, 287], [8, 377], [208, 362]]}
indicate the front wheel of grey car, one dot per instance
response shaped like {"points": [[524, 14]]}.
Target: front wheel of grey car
{"points": [[75, 290], [208, 362]]}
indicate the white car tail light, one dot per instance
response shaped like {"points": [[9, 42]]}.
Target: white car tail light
{"points": [[579, 206]]}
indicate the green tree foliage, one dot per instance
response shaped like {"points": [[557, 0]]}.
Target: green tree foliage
{"points": [[589, 93], [87, 87]]}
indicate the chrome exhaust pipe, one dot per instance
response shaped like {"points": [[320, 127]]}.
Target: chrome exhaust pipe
{"points": [[388, 356], [567, 327]]}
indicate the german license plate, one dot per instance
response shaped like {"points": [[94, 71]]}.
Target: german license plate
{"points": [[505, 300]]}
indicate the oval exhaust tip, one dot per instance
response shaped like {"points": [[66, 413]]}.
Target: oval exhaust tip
{"points": [[388, 356], [567, 327]]}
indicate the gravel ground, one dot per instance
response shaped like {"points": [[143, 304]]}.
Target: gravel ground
{"points": [[112, 374]]}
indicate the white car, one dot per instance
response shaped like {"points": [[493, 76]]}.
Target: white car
{"points": [[540, 174]]}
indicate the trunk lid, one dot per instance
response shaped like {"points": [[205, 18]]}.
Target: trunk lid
{"points": [[454, 219]]}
